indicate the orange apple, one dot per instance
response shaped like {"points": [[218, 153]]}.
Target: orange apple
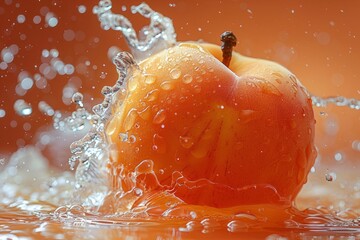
{"points": [[217, 136]]}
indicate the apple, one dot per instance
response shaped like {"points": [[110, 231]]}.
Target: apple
{"points": [[217, 136]]}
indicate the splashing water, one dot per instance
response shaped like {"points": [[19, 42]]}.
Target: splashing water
{"points": [[338, 101], [99, 201], [157, 36]]}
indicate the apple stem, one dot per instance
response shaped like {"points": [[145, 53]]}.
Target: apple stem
{"points": [[229, 41]]}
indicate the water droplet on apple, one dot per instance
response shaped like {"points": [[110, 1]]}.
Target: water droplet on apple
{"points": [[130, 119], [133, 83], [175, 73], [167, 85], [132, 139], [159, 116], [145, 114], [159, 144], [197, 89], [186, 59], [278, 80], [186, 142], [146, 166], [187, 79], [150, 79], [199, 79], [152, 95]]}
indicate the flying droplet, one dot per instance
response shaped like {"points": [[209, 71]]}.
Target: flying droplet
{"points": [[77, 98], [22, 108], [338, 156]]}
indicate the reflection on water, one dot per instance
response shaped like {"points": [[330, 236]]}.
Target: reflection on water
{"points": [[39, 200]]}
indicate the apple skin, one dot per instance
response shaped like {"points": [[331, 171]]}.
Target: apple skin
{"points": [[217, 136]]}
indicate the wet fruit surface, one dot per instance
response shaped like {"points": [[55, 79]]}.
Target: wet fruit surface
{"points": [[217, 136]]}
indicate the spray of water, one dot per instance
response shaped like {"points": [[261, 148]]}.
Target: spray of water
{"points": [[157, 36]]}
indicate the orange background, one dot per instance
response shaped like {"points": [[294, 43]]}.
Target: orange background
{"points": [[319, 41]]}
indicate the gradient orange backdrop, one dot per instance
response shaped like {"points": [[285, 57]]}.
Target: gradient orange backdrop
{"points": [[319, 41]]}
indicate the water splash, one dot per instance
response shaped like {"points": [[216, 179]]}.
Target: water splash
{"points": [[159, 35], [92, 151], [338, 101]]}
